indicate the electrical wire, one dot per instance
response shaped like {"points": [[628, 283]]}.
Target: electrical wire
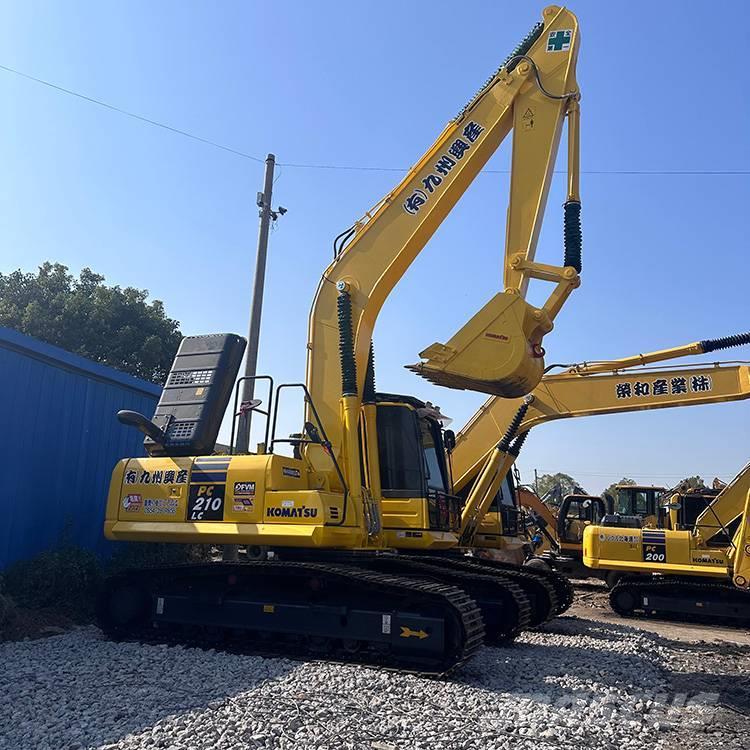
{"points": [[135, 116], [346, 167]]}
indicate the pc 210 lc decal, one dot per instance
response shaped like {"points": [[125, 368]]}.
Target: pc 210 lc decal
{"points": [[206, 502]]}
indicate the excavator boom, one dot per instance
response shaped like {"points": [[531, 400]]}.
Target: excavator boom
{"points": [[499, 349]]}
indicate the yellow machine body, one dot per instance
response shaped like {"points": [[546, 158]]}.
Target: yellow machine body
{"points": [[268, 500], [264, 499], [655, 550], [716, 546]]}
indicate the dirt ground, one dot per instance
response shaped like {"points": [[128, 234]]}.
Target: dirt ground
{"points": [[705, 658], [591, 604]]}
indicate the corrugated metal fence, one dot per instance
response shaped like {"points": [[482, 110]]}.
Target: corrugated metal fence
{"points": [[59, 440]]}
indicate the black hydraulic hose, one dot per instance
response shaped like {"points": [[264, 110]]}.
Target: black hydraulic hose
{"points": [[725, 342], [517, 444], [346, 345], [573, 235], [523, 47], [344, 238], [510, 62], [368, 392], [510, 433]]}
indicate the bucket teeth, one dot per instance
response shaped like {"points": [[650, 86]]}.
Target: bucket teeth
{"points": [[506, 389]]}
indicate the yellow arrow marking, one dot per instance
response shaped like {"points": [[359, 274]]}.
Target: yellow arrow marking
{"points": [[409, 633]]}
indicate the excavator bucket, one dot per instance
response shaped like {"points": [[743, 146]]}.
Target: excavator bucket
{"points": [[498, 351]]}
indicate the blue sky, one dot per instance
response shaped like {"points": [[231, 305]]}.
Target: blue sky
{"points": [[370, 85]]}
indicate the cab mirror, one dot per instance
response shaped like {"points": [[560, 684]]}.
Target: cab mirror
{"points": [[674, 506]]}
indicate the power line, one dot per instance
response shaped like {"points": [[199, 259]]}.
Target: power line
{"points": [[346, 167], [135, 116]]}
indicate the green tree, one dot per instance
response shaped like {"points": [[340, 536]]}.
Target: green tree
{"points": [[558, 485], [107, 324], [611, 489]]}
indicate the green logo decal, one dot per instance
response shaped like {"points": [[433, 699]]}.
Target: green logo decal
{"points": [[559, 41]]}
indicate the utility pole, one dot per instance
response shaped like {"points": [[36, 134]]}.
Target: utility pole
{"points": [[248, 386], [536, 482], [267, 214]]}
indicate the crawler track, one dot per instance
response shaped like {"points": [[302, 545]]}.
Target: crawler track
{"points": [[506, 608], [549, 592], [680, 597], [298, 608]]}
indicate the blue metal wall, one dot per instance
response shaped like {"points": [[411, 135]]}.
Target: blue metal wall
{"points": [[59, 440]]}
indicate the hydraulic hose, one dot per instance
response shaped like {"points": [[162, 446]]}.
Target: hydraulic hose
{"points": [[510, 433], [517, 444], [368, 392], [573, 235], [725, 342], [346, 345], [510, 62]]}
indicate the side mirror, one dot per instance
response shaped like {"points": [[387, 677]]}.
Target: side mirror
{"points": [[145, 425], [674, 506], [449, 440]]}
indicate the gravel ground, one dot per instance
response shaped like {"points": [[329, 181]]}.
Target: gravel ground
{"points": [[574, 684]]}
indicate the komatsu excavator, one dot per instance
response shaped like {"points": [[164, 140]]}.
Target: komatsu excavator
{"points": [[481, 466], [684, 566], [361, 520]]}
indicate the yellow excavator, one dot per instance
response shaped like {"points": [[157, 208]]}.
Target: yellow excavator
{"points": [[684, 566], [481, 466], [364, 529]]}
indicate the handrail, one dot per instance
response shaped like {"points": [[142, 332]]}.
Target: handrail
{"points": [[325, 443]]}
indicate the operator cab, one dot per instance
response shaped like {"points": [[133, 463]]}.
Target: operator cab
{"points": [[692, 504], [575, 514], [637, 500], [503, 517], [414, 462]]}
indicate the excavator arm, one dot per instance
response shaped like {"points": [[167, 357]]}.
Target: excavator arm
{"points": [[499, 350], [586, 390], [725, 510]]}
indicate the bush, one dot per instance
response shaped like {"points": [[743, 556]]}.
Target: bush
{"points": [[66, 578], [7, 605]]}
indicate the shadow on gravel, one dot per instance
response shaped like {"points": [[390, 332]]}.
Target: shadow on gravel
{"points": [[577, 659], [733, 689], [81, 690]]}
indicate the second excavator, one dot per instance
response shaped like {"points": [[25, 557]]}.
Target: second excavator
{"points": [[481, 464]]}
